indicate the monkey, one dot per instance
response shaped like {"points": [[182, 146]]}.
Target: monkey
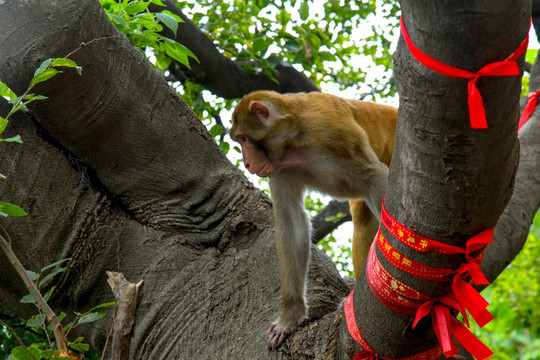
{"points": [[322, 142]]}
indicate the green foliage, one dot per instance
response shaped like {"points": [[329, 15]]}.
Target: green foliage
{"points": [[322, 38], [45, 71], [144, 30], [513, 298], [530, 57], [341, 255], [36, 331], [339, 252], [7, 209]]}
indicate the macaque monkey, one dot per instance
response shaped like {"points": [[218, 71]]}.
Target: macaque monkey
{"points": [[318, 141]]}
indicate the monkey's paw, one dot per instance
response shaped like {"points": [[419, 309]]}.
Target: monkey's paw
{"points": [[278, 332]]}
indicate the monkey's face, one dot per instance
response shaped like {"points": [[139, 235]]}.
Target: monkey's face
{"points": [[249, 130]]}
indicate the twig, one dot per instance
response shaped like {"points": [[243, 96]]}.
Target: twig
{"points": [[19, 340], [58, 330], [83, 44]]}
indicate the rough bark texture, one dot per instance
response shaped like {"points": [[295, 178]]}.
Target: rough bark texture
{"points": [[158, 200], [447, 181], [181, 216]]}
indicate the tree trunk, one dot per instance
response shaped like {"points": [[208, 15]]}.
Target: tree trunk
{"points": [[120, 175]]}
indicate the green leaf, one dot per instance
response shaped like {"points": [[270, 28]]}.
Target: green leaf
{"points": [[169, 21], [47, 296], [91, 317], [28, 299], [32, 275], [16, 100], [51, 275], [32, 97], [304, 10], [16, 138], [20, 353], [64, 62], [45, 268], [79, 346], [3, 124], [43, 76], [530, 55], [176, 51], [284, 17], [136, 8], [67, 63], [36, 321], [292, 45], [118, 21], [225, 146], [112, 303], [216, 130], [43, 66], [11, 209], [259, 44], [157, 2]]}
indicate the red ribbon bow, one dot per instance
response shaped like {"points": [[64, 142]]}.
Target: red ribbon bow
{"points": [[507, 67], [366, 355], [446, 325], [466, 295], [529, 108]]}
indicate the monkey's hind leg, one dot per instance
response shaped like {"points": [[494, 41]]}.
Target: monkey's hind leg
{"points": [[365, 228]]}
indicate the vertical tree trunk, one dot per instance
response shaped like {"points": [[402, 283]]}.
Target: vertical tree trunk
{"points": [[447, 181]]}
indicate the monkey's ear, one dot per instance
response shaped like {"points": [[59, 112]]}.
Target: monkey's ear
{"points": [[260, 110]]}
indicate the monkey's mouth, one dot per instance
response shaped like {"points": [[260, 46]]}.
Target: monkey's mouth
{"points": [[264, 171]]}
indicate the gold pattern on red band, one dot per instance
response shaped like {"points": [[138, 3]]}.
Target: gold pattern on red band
{"points": [[352, 326], [409, 266], [413, 240]]}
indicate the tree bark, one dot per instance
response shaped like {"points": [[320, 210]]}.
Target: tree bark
{"points": [[447, 181], [163, 199], [118, 174]]}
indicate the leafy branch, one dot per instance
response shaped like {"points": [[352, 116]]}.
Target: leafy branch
{"points": [[60, 336], [45, 71]]}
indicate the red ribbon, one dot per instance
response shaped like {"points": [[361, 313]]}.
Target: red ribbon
{"points": [[402, 298], [529, 108], [507, 67], [368, 353], [446, 325], [466, 295]]}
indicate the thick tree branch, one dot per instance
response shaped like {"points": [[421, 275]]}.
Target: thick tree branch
{"points": [[197, 230], [221, 75], [444, 181], [321, 227]]}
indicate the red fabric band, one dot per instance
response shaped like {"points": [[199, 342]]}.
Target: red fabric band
{"points": [[367, 353], [409, 266], [414, 240], [402, 298], [466, 295], [507, 67], [529, 108]]}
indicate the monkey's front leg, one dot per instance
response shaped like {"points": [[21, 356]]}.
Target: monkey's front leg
{"points": [[293, 250]]}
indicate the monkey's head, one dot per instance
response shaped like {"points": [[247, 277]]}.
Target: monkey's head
{"points": [[255, 127]]}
